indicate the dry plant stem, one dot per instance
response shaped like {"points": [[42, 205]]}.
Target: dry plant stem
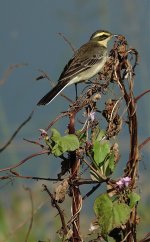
{"points": [[16, 132], [68, 42], [75, 165], [55, 204], [37, 178], [9, 70], [9, 168], [91, 191], [141, 95], [144, 143], [132, 165], [56, 119]]}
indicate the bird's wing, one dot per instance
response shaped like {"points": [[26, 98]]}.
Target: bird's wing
{"points": [[77, 65]]}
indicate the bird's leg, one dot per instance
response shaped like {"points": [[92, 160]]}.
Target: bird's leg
{"points": [[76, 91]]}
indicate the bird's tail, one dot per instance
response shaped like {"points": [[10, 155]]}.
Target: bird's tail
{"points": [[52, 93]]}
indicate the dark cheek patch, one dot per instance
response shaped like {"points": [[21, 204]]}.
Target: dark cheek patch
{"points": [[103, 37]]}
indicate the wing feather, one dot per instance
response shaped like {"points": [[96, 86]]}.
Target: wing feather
{"points": [[76, 66]]}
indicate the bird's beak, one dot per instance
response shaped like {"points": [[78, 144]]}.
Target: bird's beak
{"points": [[115, 35]]}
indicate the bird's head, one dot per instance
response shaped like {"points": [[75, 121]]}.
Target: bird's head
{"points": [[102, 37]]}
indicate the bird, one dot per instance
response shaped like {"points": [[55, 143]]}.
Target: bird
{"points": [[87, 61]]}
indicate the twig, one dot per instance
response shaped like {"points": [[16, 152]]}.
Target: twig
{"points": [[91, 191], [16, 132], [56, 119], [24, 160], [73, 218], [17, 175], [126, 237], [84, 181], [141, 95], [34, 142], [144, 143], [55, 204], [9, 71], [75, 166], [44, 75], [68, 42]]}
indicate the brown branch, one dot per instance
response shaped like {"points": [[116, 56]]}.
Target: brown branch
{"points": [[81, 182], [124, 69], [91, 191], [44, 75], [131, 169], [144, 143], [34, 142], [24, 160], [17, 175], [4, 177], [55, 204], [9, 71], [16, 132], [127, 90], [75, 166], [132, 166], [56, 119], [141, 95]]}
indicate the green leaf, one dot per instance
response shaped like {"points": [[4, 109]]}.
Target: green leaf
{"points": [[101, 135], [55, 134], [134, 198], [109, 164], [110, 214], [82, 136], [69, 142], [65, 143], [56, 150], [101, 150]]}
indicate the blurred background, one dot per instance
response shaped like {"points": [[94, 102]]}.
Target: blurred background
{"points": [[29, 43]]}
